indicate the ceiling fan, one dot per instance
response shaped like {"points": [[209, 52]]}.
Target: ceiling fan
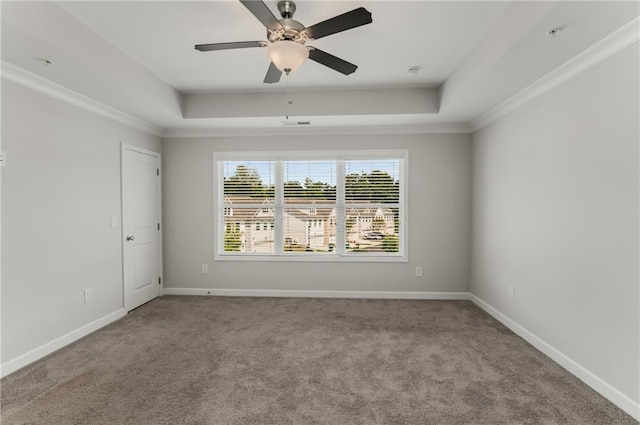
{"points": [[287, 37]]}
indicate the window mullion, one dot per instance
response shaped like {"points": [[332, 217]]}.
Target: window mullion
{"points": [[218, 199], [279, 208], [340, 209]]}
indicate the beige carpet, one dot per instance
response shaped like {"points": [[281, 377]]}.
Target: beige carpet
{"points": [[207, 360]]}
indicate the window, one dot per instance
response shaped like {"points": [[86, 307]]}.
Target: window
{"points": [[311, 205]]}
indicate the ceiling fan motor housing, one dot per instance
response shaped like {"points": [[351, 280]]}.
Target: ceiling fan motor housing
{"points": [[292, 31], [291, 28]]}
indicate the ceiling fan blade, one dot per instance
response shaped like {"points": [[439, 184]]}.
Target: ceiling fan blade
{"points": [[264, 15], [273, 74], [346, 21], [226, 46], [332, 62]]}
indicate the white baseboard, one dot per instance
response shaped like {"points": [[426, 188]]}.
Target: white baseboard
{"points": [[48, 348], [598, 384], [317, 294]]}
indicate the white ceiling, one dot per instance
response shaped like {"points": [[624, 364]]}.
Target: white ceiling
{"points": [[138, 57], [161, 37]]}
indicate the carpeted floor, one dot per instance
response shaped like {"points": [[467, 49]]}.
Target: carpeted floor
{"points": [[209, 360]]}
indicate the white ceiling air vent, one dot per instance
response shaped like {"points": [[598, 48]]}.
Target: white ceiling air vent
{"points": [[287, 122]]}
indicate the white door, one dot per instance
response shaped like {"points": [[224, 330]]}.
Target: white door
{"points": [[140, 226]]}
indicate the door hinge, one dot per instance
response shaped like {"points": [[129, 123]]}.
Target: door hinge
{"points": [[158, 226], [157, 171], [159, 281]]}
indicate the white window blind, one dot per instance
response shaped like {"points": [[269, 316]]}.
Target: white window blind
{"points": [[309, 206], [248, 206], [372, 205]]}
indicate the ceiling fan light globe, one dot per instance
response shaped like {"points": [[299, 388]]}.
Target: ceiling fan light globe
{"points": [[287, 55]]}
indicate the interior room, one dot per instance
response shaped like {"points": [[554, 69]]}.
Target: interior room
{"points": [[330, 212]]}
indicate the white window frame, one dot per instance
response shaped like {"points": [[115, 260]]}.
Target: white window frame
{"points": [[340, 254]]}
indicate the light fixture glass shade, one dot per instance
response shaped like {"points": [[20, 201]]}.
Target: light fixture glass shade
{"points": [[287, 55]]}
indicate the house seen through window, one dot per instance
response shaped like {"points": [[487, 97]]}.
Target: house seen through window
{"points": [[348, 207]]}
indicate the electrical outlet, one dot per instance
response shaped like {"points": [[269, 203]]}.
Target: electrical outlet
{"points": [[418, 271], [87, 295], [114, 221], [512, 293], [205, 268]]}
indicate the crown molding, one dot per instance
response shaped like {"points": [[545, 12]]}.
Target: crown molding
{"points": [[613, 43], [30, 80], [187, 133], [27, 79]]}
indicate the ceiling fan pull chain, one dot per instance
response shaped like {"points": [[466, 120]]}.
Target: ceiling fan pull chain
{"points": [[289, 99]]}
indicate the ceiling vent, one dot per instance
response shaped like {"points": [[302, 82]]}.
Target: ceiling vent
{"points": [[296, 123]]}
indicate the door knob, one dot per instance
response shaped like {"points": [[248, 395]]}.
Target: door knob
{"points": [[130, 238]]}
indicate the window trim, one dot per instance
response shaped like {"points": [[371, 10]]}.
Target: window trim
{"points": [[279, 206]]}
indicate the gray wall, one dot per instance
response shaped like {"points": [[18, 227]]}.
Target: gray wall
{"points": [[59, 189], [556, 215], [439, 218]]}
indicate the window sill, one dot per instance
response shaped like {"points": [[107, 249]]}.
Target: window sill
{"points": [[346, 258]]}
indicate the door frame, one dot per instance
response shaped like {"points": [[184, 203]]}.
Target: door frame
{"points": [[158, 156]]}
